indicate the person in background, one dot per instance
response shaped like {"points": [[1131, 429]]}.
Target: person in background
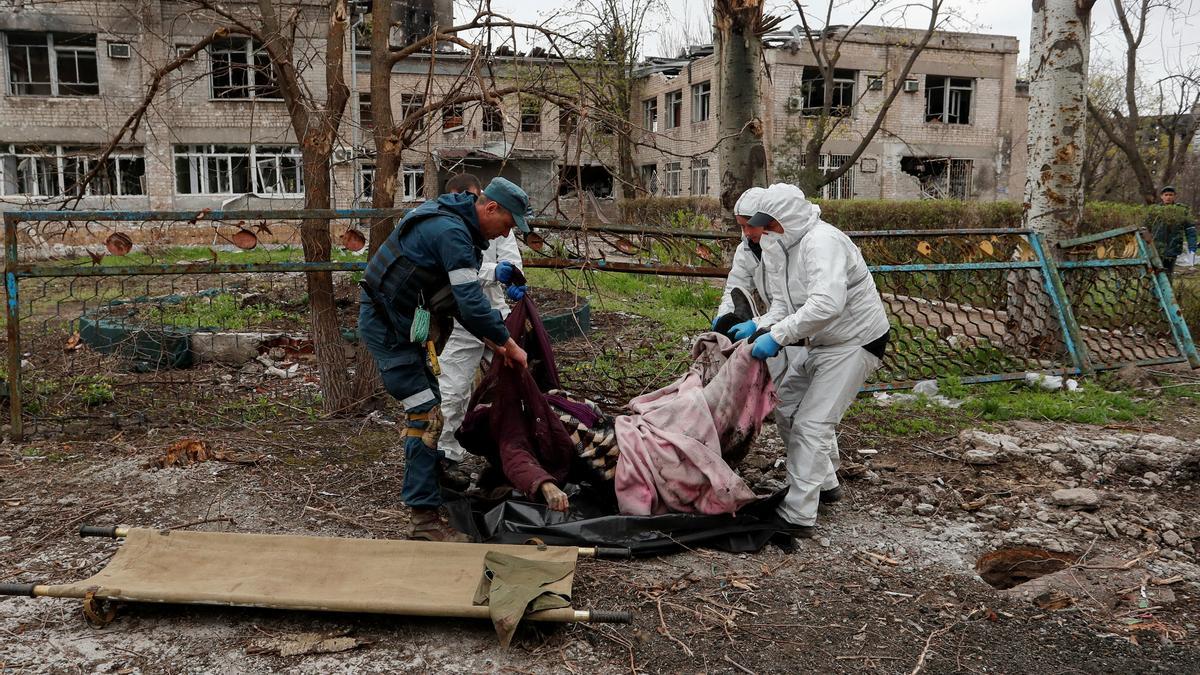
{"points": [[1170, 224], [464, 353], [425, 274]]}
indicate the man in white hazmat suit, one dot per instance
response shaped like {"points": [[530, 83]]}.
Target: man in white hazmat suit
{"points": [[463, 353], [746, 272], [823, 297]]}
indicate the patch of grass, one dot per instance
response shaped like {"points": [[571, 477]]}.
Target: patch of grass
{"points": [[251, 411], [95, 390], [905, 420], [221, 311], [683, 306], [1090, 404]]}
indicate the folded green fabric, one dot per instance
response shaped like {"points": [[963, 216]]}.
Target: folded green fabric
{"points": [[512, 586]]}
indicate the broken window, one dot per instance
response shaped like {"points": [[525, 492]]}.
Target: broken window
{"points": [[493, 118], [812, 92], [701, 96], [411, 104], [700, 177], [672, 175], [674, 106], [650, 178], [948, 99], [52, 64], [595, 179], [452, 118], [238, 169], [843, 187], [366, 119], [531, 115], [941, 177], [650, 114], [241, 69], [55, 170], [414, 182], [366, 181]]}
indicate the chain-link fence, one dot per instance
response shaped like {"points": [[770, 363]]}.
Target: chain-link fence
{"points": [[210, 313]]}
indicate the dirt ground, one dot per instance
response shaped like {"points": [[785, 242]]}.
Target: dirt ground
{"points": [[888, 585]]}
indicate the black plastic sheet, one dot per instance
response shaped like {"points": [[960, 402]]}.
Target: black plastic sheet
{"points": [[591, 522]]}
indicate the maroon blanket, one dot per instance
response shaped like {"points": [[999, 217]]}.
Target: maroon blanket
{"points": [[510, 422]]}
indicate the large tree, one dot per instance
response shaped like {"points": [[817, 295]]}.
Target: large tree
{"points": [[738, 27]]}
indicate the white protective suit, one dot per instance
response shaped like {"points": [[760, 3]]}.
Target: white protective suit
{"points": [[746, 272], [821, 291], [461, 356]]}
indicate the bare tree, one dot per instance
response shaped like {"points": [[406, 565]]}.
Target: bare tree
{"points": [[822, 121], [1124, 121], [738, 28]]}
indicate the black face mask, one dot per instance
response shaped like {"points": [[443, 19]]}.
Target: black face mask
{"points": [[755, 248]]}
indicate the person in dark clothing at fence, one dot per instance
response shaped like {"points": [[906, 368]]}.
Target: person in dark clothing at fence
{"points": [[423, 277], [1170, 223]]}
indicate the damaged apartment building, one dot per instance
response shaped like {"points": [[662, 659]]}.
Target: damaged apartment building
{"points": [[218, 135], [956, 130]]}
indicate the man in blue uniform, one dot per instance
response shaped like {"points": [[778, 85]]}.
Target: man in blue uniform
{"points": [[423, 278]]}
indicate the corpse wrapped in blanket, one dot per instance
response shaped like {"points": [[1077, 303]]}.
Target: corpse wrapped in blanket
{"points": [[676, 451]]}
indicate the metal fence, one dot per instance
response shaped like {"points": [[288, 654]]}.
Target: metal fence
{"points": [[209, 311]]}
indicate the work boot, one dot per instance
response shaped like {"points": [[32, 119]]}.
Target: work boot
{"points": [[831, 496], [429, 525], [793, 530], [452, 476]]}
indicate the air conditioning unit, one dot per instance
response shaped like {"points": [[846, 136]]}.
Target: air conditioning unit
{"points": [[119, 50], [343, 154], [875, 83], [794, 103], [911, 86], [182, 49]]}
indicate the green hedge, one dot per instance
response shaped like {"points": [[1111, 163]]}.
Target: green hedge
{"points": [[881, 214]]}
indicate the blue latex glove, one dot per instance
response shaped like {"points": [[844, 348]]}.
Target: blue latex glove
{"points": [[742, 330], [765, 347], [714, 323], [504, 272], [515, 293]]}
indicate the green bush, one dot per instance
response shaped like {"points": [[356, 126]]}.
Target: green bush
{"points": [[685, 213], [855, 215]]}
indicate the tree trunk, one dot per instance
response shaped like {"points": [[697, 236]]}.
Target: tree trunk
{"points": [[739, 54], [1054, 183], [314, 235]]}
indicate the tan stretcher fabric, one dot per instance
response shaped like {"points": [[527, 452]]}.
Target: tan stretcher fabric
{"points": [[311, 573]]}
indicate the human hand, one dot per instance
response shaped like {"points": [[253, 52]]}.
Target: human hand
{"points": [[513, 354], [765, 347], [742, 330], [515, 293], [505, 271], [555, 498]]}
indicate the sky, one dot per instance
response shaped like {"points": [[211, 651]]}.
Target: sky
{"points": [[1171, 41]]}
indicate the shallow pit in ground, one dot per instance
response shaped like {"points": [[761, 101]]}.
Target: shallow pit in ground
{"points": [[1009, 567]]}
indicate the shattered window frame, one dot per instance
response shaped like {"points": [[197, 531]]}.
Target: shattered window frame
{"points": [[701, 101], [673, 105], [650, 114], [413, 182], [673, 177], [46, 58], [699, 177], [812, 92], [55, 171], [948, 100], [241, 70], [531, 115], [493, 119], [649, 178]]}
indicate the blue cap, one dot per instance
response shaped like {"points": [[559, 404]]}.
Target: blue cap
{"points": [[511, 198]]}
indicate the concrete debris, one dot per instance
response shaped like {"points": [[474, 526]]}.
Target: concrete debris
{"points": [[978, 457], [1077, 498]]}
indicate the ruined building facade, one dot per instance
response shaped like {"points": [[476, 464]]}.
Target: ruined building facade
{"points": [[957, 130], [218, 134]]}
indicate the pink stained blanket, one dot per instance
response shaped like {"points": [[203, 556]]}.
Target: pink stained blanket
{"points": [[674, 448]]}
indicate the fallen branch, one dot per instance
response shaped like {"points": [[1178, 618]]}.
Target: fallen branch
{"points": [[925, 652], [662, 628], [737, 665]]}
